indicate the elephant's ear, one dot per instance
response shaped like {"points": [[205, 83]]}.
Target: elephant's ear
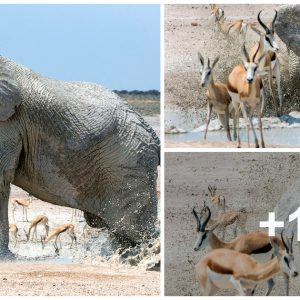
{"points": [[10, 97]]}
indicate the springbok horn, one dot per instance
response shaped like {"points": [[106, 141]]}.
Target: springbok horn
{"points": [[291, 242], [203, 225], [273, 22], [284, 243], [256, 53], [209, 187], [245, 53], [197, 219], [262, 24]]}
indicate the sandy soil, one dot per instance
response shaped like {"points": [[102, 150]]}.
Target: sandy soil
{"points": [[82, 270], [254, 181], [28, 279]]}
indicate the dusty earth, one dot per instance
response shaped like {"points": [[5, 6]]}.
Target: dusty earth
{"points": [[92, 267], [254, 181], [185, 101]]}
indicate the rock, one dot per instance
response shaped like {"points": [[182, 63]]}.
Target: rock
{"points": [[290, 119], [287, 26]]}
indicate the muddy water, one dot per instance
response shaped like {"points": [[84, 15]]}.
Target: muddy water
{"points": [[189, 127], [96, 248], [274, 136]]}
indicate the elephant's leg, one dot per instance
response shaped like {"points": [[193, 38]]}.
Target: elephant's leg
{"points": [[4, 228]]}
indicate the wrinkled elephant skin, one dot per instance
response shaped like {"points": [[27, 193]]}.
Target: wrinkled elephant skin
{"points": [[77, 145]]}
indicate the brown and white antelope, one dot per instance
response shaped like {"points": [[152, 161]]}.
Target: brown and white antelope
{"points": [[56, 232], [269, 64], [13, 231], [38, 220], [255, 243], [247, 93], [238, 218], [218, 99], [232, 29], [24, 203], [230, 269], [217, 199]]}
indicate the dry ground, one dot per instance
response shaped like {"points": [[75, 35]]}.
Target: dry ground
{"points": [[254, 181], [28, 279]]}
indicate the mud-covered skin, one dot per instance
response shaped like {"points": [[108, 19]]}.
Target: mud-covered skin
{"points": [[78, 145], [287, 28]]}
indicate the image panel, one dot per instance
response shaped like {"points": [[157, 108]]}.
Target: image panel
{"points": [[80, 150], [214, 206], [232, 75]]}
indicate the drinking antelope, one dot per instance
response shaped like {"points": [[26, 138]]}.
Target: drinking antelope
{"points": [[230, 269], [13, 231], [38, 220], [218, 99], [223, 219], [56, 232], [255, 243], [246, 90], [232, 29], [25, 203], [269, 64]]}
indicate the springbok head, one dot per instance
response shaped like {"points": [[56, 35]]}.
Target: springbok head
{"points": [[286, 256], [216, 12], [203, 232], [206, 69], [252, 64], [268, 35]]}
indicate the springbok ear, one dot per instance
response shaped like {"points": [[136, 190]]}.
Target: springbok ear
{"points": [[275, 244], [201, 59], [256, 30], [245, 54], [10, 97], [215, 61]]}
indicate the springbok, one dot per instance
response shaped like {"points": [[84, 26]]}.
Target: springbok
{"points": [[13, 231], [38, 220], [216, 199], [218, 99], [231, 29], [247, 93], [230, 269], [25, 203], [56, 232], [255, 243], [238, 218], [269, 64]]}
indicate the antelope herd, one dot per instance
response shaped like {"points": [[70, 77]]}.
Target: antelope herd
{"points": [[244, 91], [42, 221], [243, 262]]}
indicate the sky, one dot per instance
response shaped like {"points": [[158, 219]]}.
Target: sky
{"points": [[117, 46]]}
